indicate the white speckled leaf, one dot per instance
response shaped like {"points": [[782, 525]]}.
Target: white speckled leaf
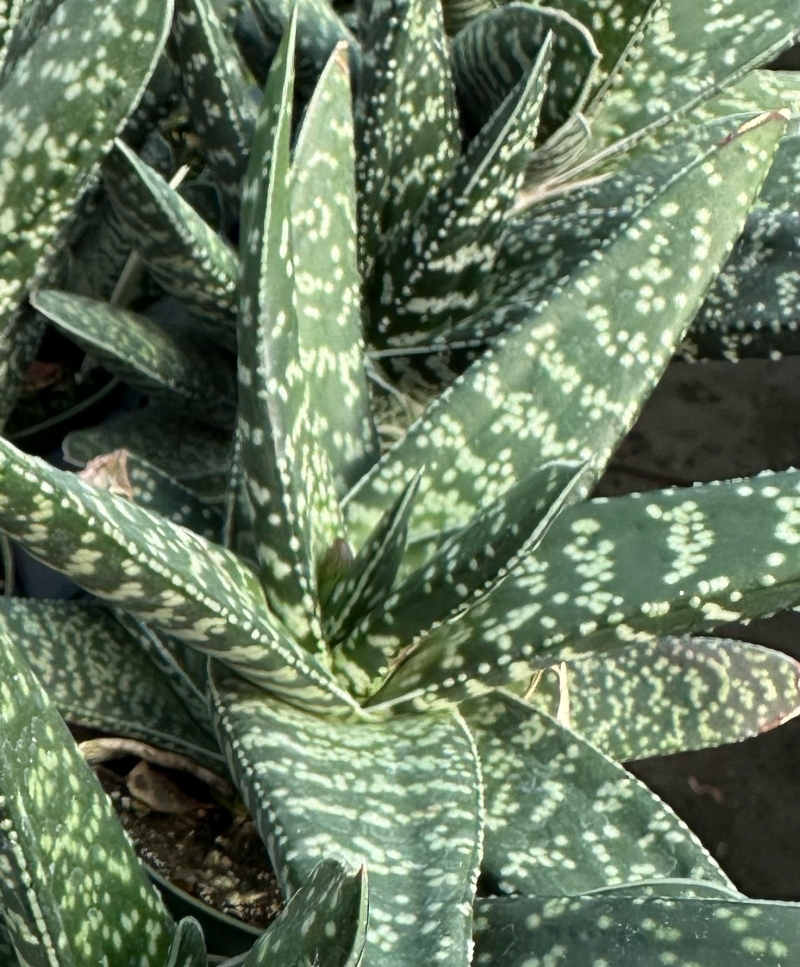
{"points": [[26, 20], [188, 947], [164, 574], [287, 496], [72, 891], [327, 282], [402, 152], [403, 795], [561, 818], [689, 52], [217, 89], [146, 354], [440, 260], [634, 931], [611, 572], [184, 254], [55, 127], [672, 695], [97, 675], [568, 381], [327, 916]]}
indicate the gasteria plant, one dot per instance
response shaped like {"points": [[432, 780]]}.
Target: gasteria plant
{"points": [[376, 633]]}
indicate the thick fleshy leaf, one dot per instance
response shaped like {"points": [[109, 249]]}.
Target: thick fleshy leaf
{"points": [[24, 22], [328, 915], [567, 382], [287, 497], [164, 574], [561, 818], [699, 52], [187, 258], [188, 945], [67, 870], [327, 290], [440, 263], [146, 354], [633, 931], [55, 127], [217, 90], [97, 675], [402, 795], [493, 53], [611, 572], [465, 566], [194, 453], [402, 153], [672, 695]]}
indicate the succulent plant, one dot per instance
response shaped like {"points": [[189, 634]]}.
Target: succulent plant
{"points": [[425, 662]]}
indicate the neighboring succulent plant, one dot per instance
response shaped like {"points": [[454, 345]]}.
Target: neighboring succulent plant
{"points": [[380, 630]]}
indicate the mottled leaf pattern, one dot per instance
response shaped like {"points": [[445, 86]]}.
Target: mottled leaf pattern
{"points": [[162, 573], [367, 790], [632, 931], [328, 914], [189, 260], [612, 572], [672, 695], [67, 871], [188, 946], [96, 674], [561, 818], [55, 126], [547, 390], [146, 354]]}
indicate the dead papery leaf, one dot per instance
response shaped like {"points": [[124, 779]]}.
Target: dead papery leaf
{"points": [[158, 792], [109, 471]]}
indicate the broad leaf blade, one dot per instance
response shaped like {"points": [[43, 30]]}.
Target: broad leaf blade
{"points": [[187, 258], [146, 354], [59, 109], [561, 818], [567, 382], [67, 870], [164, 574], [324, 248], [672, 695], [632, 931], [403, 795], [327, 914]]}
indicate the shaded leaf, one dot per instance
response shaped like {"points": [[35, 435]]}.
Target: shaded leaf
{"points": [[66, 867], [327, 915], [146, 354], [561, 818], [631, 931], [188, 945], [672, 695], [371, 791], [164, 574]]}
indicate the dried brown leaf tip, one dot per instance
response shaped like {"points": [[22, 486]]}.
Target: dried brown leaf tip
{"points": [[109, 472]]}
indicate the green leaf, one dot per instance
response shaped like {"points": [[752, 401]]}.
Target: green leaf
{"points": [[403, 795], [612, 572], [164, 574], [632, 931], [493, 53], [287, 493], [217, 90], [55, 127], [699, 52], [403, 153], [94, 671], [188, 945], [184, 254], [71, 888], [328, 914], [672, 695], [327, 281], [194, 453], [146, 354], [441, 262], [561, 818], [553, 389], [464, 567]]}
